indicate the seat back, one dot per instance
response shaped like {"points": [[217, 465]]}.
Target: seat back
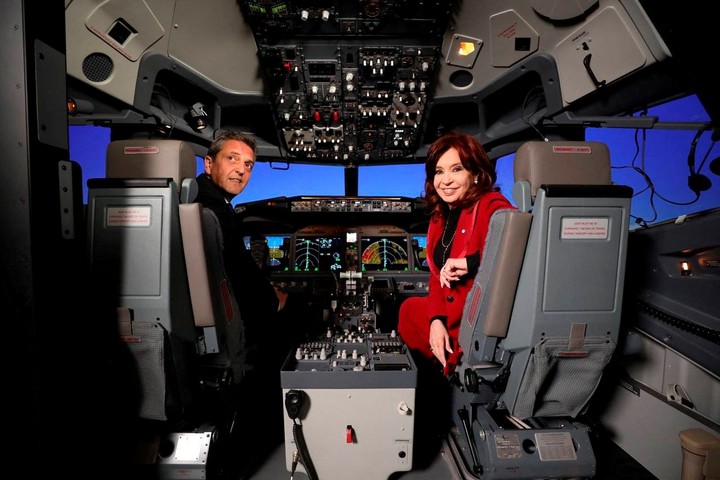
{"points": [[544, 344], [492, 295], [214, 307], [148, 249], [134, 230], [566, 318]]}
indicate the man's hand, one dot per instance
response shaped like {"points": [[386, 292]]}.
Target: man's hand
{"points": [[282, 298]]}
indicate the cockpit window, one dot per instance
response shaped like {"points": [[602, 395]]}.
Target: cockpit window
{"points": [[669, 167]]}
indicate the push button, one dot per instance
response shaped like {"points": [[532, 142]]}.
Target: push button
{"points": [[450, 298]]}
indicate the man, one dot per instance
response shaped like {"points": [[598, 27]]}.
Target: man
{"points": [[228, 168]]}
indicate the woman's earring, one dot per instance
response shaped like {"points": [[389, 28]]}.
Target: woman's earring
{"points": [[475, 181]]}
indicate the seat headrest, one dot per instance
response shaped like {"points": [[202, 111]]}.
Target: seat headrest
{"points": [[141, 158], [558, 163], [562, 163]]}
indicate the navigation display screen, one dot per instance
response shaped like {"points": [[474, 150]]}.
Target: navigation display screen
{"points": [[384, 254], [318, 254]]}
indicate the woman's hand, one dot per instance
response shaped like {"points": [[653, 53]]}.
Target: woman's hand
{"points": [[453, 269], [439, 341]]}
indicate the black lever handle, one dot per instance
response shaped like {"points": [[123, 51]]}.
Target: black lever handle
{"points": [[586, 62], [467, 428]]}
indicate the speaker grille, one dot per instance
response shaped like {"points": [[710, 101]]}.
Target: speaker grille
{"points": [[97, 67]]}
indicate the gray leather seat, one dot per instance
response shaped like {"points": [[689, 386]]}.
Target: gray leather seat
{"points": [[158, 254], [543, 318]]}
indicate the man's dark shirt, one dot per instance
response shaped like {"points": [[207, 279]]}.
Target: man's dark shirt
{"points": [[254, 293]]}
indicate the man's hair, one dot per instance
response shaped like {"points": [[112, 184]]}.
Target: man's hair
{"points": [[219, 141]]}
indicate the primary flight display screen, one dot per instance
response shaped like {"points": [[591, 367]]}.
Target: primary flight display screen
{"points": [[384, 254], [419, 247], [278, 252], [271, 252], [318, 253]]}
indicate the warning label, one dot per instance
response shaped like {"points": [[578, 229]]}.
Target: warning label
{"points": [[507, 446], [141, 150], [571, 149], [128, 216], [554, 446], [584, 228]]}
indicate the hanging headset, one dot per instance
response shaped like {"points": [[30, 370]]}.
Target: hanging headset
{"points": [[697, 182]]}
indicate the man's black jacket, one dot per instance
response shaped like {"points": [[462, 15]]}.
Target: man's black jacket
{"points": [[254, 293]]}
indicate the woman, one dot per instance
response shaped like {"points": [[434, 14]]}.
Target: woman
{"points": [[461, 196]]}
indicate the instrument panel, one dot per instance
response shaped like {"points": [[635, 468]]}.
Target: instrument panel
{"points": [[324, 249], [353, 259]]}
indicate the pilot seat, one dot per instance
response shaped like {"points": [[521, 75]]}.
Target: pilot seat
{"points": [[155, 259], [542, 319]]}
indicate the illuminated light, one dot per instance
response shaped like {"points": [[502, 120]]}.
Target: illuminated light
{"points": [[685, 268], [465, 48], [77, 106]]}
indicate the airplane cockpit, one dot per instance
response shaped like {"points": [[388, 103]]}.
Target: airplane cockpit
{"points": [[589, 338]]}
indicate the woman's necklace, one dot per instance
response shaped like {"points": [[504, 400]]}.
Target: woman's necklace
{"points": [[446, 247]]}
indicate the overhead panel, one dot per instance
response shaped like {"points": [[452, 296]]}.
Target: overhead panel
{"points": [[349, 81]]}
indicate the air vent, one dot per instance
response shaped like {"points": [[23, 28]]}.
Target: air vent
{"points": [[461, 78]]}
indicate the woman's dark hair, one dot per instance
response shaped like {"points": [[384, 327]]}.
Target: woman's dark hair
{"points": [[473, 158], [219, 141]]}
